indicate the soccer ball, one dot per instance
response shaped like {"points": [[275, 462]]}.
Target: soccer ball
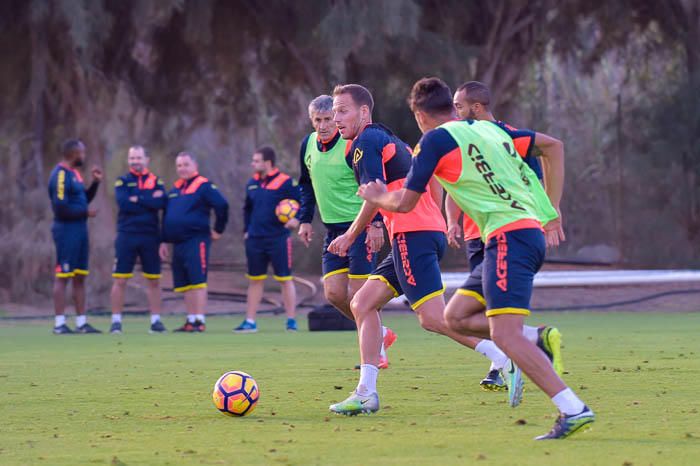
{"points": [[286, 210], [236, 394]]}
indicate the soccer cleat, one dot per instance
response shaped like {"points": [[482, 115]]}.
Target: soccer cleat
{"points": [[116, 328], [389, 338], [514, 381], [356, 404], [383, 362], [188, 327], [549, 341], [493, 382], [291, 325], [158, 327], [87, 328], [62, 330], [565, 426], [246, 327], [199, 326]]}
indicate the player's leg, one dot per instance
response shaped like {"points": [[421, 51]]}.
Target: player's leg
{"points": [[60, 285], [150, 267], [361, 262], [125, 258], [81, 271], [63, 273], [365, 306], [335, 277], [281, 258], [256, 274], [510, 264], [189, 267]]}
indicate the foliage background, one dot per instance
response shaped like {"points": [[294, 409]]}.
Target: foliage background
{"points": [[616, 81]]}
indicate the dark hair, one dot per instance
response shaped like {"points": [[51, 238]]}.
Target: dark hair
{"points": [[71, 145], [431, 95], [187, 154], [360, 94], [476, 92], [268, 154]]}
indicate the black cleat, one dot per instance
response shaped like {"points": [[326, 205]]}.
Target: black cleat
{"points": [[87, 328], [187, 328], [565, 426], [62, 330], [158, 327], [116, 328], [199, 326], [493, 382]]}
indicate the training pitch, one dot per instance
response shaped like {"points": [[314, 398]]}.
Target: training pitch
{"points": [[146, 399]]}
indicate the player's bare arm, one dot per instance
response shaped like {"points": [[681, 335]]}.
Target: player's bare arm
{"points": [[342, 243], [452, 212], [553, 168], [403, 200]]}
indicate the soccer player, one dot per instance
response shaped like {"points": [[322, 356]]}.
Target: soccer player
{"points": [[267, 239], [418, 241], [466, 307], [328, 182], [467, 158], [186, 224], [140, 196], [69, 202]]}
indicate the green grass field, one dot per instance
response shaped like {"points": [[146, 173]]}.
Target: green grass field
{"points": [[146, 399]]}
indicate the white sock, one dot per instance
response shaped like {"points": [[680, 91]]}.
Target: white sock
{"points": [[155, 318], [250, 321], [116, 318], [80, 320], [199, 317], [530, 333], [190, 318], [368, 380], [493, 352], [567, 402], [59, 320]]}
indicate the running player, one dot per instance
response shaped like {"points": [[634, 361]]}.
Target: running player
{"points": [[465, 309], [186, 223], [328, 182], [69, 202], [418, 241], [266, 238], [504, 199], [140, 196]]}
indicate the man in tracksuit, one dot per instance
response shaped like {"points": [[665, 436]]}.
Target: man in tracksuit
{"points": [[140, 196], [69, 202], [266, 238], [186, 225]]}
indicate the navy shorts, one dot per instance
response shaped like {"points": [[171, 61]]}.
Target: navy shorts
{"points": [[129, 246], [511, 261], [473, 285], [475, 253], [190, 264], [72, 249], [386, 273], [261, 251], [416, 256], [358, 263]]}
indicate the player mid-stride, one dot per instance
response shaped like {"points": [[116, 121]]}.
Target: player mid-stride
{"points": [[467, 159]]}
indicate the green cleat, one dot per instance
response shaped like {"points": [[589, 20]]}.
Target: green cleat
{"points": [[514, 382], [356, 404], [566, 426], [549, 341]]}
